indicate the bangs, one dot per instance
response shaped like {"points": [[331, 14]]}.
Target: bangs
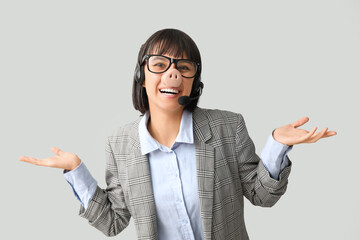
{"points": [[172, 43], [167, 47]]}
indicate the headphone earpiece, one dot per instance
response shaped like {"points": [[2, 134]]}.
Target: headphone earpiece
{"points": [[198, 89], [139, 74]]}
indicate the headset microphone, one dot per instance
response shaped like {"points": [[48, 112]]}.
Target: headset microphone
{"points": [[184, 100]]}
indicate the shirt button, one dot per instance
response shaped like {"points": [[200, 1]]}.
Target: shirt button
{"points": [[185, 221]]}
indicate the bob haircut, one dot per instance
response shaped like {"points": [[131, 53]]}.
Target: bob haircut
{"points": [[172, 42]]}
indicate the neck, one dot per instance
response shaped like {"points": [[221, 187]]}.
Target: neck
{"points": [[164, 126]]}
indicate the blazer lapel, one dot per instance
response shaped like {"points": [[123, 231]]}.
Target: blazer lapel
{"points": [[141, 195], [205, 169]]}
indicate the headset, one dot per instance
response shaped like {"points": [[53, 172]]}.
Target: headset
{"points": [[139, 73]]}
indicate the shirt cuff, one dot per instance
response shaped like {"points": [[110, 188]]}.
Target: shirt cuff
{"points": [[82, 183], [274, 156]]}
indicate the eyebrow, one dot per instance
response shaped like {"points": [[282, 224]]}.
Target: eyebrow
{"points": [[162, 56], [158, 57]]}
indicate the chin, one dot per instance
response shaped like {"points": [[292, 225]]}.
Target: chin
{"points": [[172, 107]]}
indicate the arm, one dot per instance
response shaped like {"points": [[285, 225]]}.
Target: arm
{"points": [[258, 186], [82, 183], [107, 210], [274, 156]]}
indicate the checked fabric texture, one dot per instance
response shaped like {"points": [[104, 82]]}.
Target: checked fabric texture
{"points": [[227, 170]]}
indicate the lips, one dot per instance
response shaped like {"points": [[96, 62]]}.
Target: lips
{"points": [[169, 91]]}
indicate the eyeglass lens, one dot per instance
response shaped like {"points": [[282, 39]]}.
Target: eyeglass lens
{"points": [[159, 64]]}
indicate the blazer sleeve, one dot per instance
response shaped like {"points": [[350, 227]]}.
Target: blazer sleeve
{"points": [[258, 187], [107, 210]]}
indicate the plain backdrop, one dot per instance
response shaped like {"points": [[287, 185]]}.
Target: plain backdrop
{"points": [[66, 71]]}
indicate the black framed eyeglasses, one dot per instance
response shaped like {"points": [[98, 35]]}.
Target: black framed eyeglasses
{"points": [[159, 64]]}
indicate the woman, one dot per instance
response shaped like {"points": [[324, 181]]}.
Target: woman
{"points": [[180, 171]]}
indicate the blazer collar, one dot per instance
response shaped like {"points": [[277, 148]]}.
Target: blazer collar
{"points": [[201, 125], [201, 129]]}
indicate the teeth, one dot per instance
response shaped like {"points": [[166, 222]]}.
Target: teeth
{"points": [[169, 90]]}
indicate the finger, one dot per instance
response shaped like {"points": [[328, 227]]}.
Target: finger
{"points": [[31, 160], [57, 151], [319, 135], [22, 158], [328, 134], [300, 122], [306, 137], [46, 162]]}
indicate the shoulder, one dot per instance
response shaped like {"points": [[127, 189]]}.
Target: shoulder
{"points": [[127, 129], [219, 124], [217, 117], [125, 136]]}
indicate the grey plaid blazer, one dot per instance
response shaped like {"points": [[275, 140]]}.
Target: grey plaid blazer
{"points": [[227, 170]]}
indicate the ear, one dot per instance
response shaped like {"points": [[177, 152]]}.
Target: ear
{"points": [[143, 84]]}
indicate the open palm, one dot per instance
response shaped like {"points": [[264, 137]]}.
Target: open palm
{"points": [[64, 160], [290, 134]]}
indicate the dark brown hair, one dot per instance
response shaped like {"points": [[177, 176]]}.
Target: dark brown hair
{"points": [[172, 42]]}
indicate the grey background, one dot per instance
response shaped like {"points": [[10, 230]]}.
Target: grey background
{"points": [[66, 72]]}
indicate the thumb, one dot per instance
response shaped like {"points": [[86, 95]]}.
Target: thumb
{"points": [[300, 122], [57, 151]]}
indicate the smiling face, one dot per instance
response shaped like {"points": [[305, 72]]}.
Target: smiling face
{"points": [[164, 89], [171, 43]]}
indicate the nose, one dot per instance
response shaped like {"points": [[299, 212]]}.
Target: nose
{"points": [[172, 77]]}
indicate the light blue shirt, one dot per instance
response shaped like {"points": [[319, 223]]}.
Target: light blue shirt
{"points": [[174, 181], [173, 176]]}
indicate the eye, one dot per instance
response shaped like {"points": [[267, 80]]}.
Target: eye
{"points": [[183, 68], [159, 65]]}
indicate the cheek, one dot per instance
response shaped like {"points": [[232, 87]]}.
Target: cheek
{"points": [[145, 79], [189, 86], [151, 80]]}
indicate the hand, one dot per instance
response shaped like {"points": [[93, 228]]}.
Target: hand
{"points": [[63, 160], [291, 135]]}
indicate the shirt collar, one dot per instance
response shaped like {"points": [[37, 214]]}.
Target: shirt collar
{"points": [[149, 144]]}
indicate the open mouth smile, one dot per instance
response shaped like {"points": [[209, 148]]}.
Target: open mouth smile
{"points": [[169, 91]]}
